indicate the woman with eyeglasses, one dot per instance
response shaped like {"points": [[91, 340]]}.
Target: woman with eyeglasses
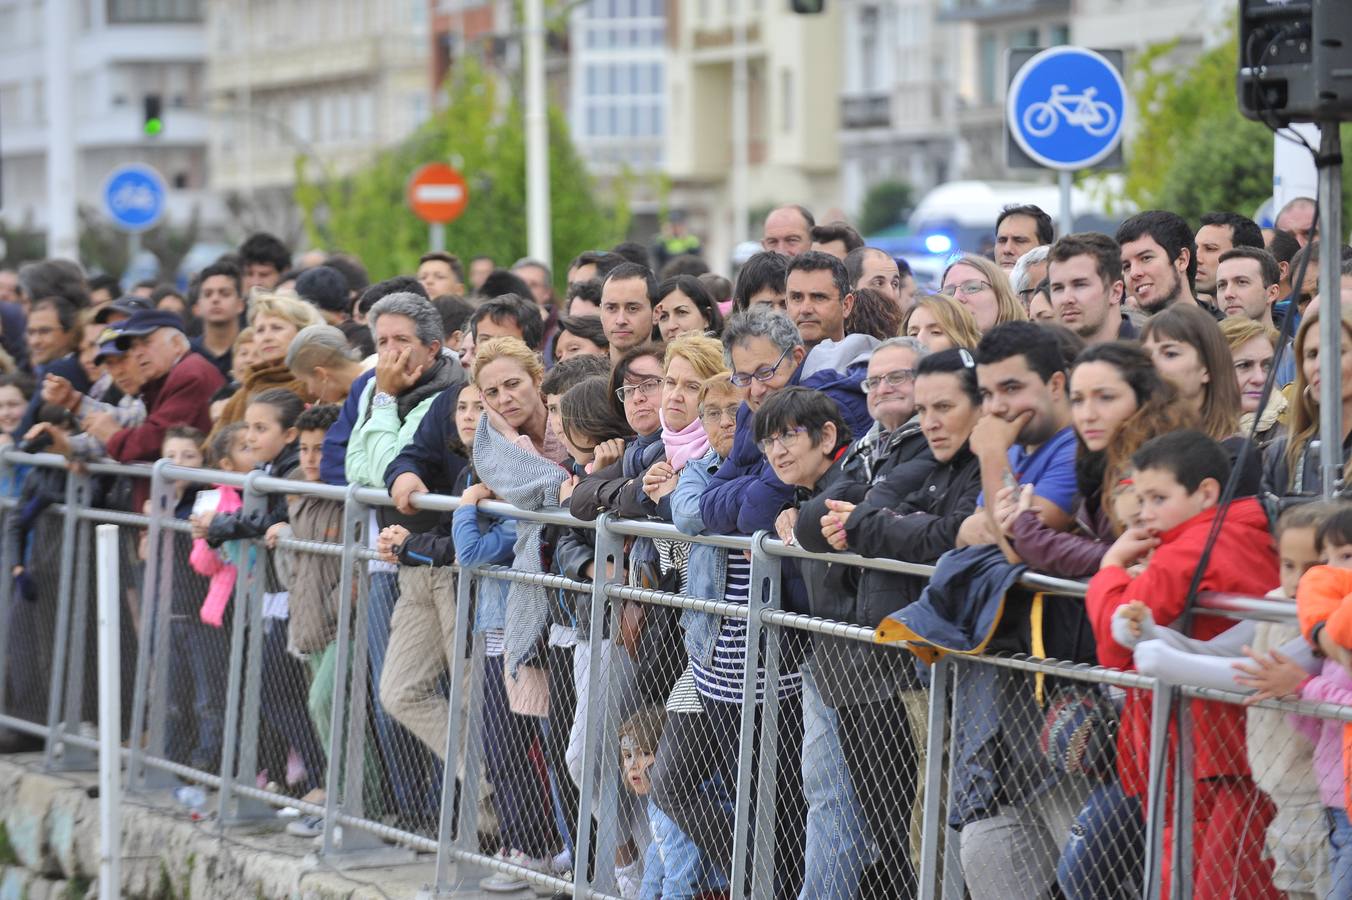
{"points": [[982, 287], [906, 515]]}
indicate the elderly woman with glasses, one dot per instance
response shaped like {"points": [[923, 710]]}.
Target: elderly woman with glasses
{"points": [[982, 287]]}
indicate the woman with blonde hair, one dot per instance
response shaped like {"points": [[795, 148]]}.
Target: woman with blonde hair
{"points": [[1252, 346], [1291, 463], [275, 319], [982, 287], [941, 323]]}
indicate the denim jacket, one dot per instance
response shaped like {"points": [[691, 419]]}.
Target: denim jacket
{"points": [[482, 540], [674, 867], [708, 566]]}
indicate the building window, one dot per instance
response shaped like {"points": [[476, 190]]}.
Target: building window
{"points": [[1058, 35], [990, 66], [140, 11]]}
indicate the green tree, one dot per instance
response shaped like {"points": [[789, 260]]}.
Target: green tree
{"points": [[1193, 152], [366, 214], [885, 204]]}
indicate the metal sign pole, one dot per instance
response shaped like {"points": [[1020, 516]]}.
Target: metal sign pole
{"points": [[1065, 179], [436, 237], [1330, 308]]}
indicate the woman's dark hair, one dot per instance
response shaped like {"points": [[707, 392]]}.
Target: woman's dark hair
{"points": [[288, 404], [800, 407], [586, 412], [873, 314], [218, 446], [761, 271], [1193, 326], [1336, 529], [21, 380], [654, 349], [1157, 412], [954, 361], [586, 327], [698, 294]]}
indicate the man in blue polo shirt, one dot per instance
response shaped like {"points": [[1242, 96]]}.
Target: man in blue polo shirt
{"points": [[1025, 436]]}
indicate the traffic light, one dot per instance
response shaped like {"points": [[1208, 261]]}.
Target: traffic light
{"points": [[153, 121], [808, 7]]}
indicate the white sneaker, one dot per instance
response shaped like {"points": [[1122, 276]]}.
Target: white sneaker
{"points": [[306, 827], [504, 882]]}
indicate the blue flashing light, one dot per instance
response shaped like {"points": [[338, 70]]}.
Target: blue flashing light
{"points": [[938, 243]]}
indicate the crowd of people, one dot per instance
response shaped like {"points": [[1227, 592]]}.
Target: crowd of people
{"points": [[1078, 404]]}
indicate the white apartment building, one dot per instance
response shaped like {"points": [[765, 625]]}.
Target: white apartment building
{"points": [[792, 112], [897, 100], [332, 81], [617, 97], [123, 51]]}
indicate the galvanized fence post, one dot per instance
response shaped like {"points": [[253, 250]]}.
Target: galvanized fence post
{"points": [[338, 723], [77, 486], [932, 817], [1160, 710], [7, 563], [608, 562], [154, 608], [458, 827], [239, 755], [763, 597]]}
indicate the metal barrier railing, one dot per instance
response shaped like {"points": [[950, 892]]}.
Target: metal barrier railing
{"points": [[600, 827]]}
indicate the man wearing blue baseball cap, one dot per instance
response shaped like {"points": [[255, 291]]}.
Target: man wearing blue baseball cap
{"points": [[175, 383]]}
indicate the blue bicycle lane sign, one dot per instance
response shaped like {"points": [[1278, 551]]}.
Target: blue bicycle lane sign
{"points": [[1065, 108], [134, 197]]}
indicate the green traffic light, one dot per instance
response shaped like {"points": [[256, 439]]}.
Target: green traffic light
{"points": [[153, 127]]}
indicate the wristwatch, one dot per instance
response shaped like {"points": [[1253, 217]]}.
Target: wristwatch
{"points": [[382, 400]]}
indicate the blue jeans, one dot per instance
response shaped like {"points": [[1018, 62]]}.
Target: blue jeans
{"points": [[199, 657], [837, 848], [1105, 855], [415, 775], [1340, 854]]}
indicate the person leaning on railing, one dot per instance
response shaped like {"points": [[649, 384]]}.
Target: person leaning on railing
{"points": [[897, 516]]}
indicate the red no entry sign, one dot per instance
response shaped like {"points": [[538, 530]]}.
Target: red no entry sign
{"points": [[437, 193]]}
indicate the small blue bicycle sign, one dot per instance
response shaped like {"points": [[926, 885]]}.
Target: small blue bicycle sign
{"points": [[1066, 106], [134, 197]]}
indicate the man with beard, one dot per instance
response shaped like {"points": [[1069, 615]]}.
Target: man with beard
{"points": [[1159, 261], [1025, 433], [1085, 273]]}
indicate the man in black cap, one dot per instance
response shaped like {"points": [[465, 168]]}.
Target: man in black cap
{"points": [[325, 288], [174, 388], [121, 309]]}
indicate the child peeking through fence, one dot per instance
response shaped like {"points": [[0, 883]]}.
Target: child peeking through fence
{"points": [[1179, 478], [674, 866], [1324, 608]]}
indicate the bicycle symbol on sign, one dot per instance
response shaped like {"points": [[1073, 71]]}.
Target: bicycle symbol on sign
{"points": [[1079, 110]]}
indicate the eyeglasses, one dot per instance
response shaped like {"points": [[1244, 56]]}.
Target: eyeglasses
{"points": [[763, 374], [646, 388], [782, 440], [975, 286], [893, 379], [719, 413]]}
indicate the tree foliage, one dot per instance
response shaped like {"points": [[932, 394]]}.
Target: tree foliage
{"points": [[366, 213], [1193, 151], [885, 204]]}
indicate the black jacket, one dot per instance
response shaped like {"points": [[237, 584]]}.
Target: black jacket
{"points": [[238, 526], [899, 517]]}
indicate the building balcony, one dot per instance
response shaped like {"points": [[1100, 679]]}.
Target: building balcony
{"points": [[866, 111], [994, 10]]}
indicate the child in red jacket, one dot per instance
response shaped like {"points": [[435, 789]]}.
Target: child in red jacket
{"points": [[1178, 478]]}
